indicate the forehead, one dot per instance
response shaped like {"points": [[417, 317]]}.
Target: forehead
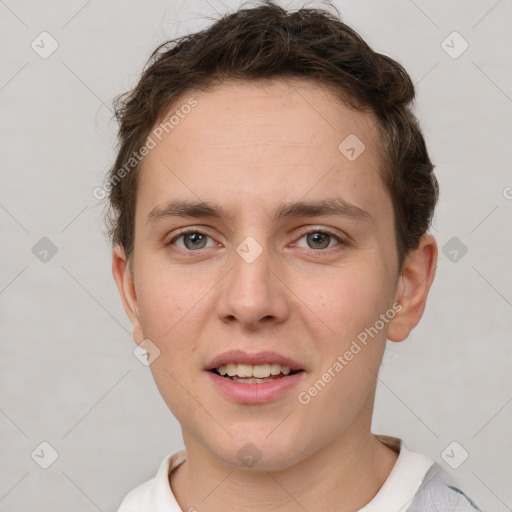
{"points": [[263, 142]]}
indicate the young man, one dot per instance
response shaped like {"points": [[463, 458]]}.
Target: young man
{"points": [[269, 212]]}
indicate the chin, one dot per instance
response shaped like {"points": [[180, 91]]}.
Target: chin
{"points": [[258, 452]]}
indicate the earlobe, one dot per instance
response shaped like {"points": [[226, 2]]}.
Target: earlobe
{"points": [[413, 287], [125, 284]]}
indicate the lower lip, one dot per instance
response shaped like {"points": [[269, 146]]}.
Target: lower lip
{"points": [[254, 393]]}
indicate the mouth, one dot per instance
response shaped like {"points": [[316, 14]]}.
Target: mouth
{"points": [[254, 374], [254, 378]]}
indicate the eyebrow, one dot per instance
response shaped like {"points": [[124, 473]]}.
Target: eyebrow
{"points": [[332, 207]]}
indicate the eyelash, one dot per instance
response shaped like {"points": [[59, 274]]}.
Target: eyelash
{"points": [[341, 242]]}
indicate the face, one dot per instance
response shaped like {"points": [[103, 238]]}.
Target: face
{"points": [[256, 233]]}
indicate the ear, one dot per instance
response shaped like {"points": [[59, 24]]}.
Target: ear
{"points": [[414, 284], [125, 284]]}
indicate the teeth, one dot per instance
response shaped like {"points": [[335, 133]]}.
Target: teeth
{"points": [[259, 371], [244, 370], [275, 369], [252, 380], [230, 369]]}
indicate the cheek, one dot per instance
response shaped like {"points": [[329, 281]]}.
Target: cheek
{"points": [[351, 300], [167, 294], [171, 305], [352, 303]]}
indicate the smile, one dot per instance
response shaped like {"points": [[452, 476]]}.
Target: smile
{"points": [[250, 374]]}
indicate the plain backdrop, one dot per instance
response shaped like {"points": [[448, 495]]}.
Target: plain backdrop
{"points": [[68, 374]]}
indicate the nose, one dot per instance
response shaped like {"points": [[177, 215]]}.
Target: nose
{"points": [[253, 294]]}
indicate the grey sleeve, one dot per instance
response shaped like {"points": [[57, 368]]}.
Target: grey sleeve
{"points": [[436, 494]]}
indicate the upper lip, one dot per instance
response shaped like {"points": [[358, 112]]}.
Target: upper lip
{"points": [[239, 356]]}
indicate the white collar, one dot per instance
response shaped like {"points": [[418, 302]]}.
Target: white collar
{"points": [[395, 495], [402, 484]]}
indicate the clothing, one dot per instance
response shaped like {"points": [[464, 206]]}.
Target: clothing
{"points": [[416, 484]]}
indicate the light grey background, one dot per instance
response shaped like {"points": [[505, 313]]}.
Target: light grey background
{"points": [[68, 373]]}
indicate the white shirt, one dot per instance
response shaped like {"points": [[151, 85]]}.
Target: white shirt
{"points": [[416, 484]]}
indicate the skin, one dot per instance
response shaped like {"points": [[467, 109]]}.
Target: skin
{"points": [[250, 147]]}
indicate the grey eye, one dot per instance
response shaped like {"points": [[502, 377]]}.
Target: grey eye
{"points": [[192, 241], [317, 240]]}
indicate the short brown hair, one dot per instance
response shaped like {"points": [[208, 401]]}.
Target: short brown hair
{"points": [[268, 42]]}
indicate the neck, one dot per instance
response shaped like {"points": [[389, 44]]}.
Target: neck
{"points": [[344, 475]]}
